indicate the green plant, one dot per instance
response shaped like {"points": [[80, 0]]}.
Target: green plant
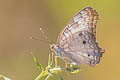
{"points": [[49, 71]]}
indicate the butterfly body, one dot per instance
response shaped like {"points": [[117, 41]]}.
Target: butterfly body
{"points": [[77, 42]]}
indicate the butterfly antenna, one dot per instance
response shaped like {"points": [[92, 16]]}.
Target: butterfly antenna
{"points": [[45, 35], [39, 39]]}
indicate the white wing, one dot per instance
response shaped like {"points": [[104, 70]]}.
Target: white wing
{"points": [[78, 38]]}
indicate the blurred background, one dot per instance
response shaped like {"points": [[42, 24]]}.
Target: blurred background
{"points": [[21, 19]]}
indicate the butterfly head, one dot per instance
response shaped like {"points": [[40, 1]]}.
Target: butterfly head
{"points": [[56, 50], [52, 47]]}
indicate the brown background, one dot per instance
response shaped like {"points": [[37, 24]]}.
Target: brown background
{"points": [[21, 19]]}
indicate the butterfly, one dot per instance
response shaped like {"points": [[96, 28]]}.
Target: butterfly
{"points": [[77, 42]]}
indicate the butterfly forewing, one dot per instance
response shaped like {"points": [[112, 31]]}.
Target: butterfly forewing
{"points": [[86, 19]]}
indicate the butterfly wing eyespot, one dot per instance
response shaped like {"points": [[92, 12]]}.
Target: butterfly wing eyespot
{"points": [[88, 54], [78, 38], [84, 42]]}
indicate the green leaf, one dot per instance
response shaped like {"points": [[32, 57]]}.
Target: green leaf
{"points": [[37, 63], [56, 62], [75, 71], [73, 68], [49, 60], [48, 77], [43, 73], [50, 73]]}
